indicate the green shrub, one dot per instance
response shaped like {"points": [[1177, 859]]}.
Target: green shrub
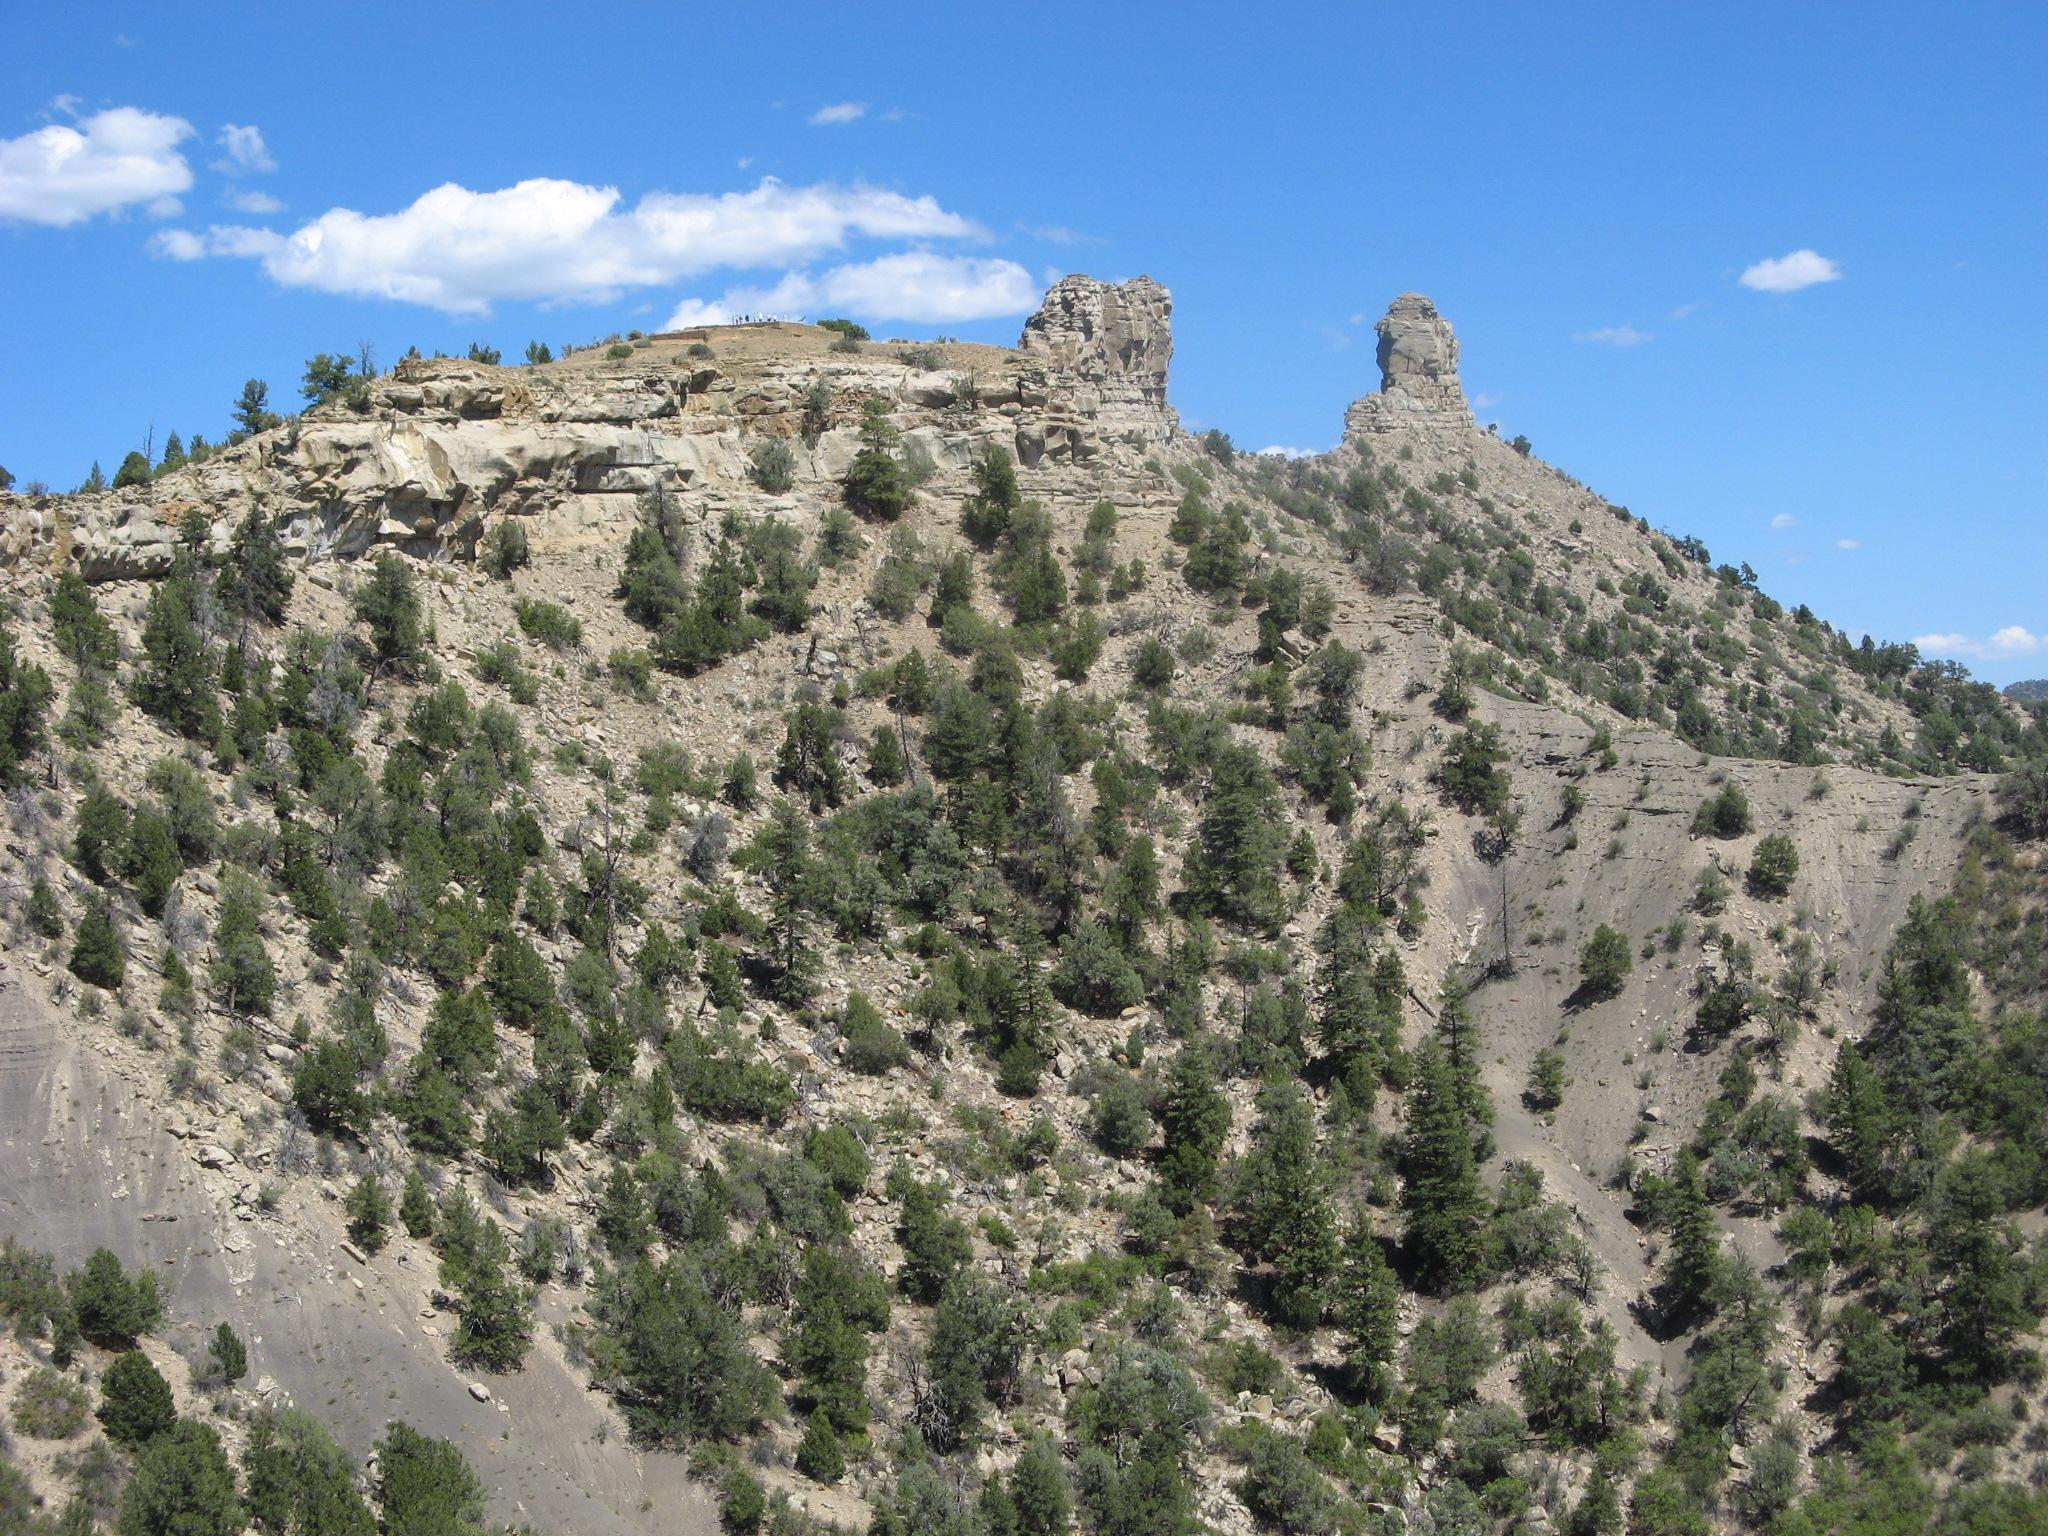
{"points": [[618, 351], [1723, 815], [51, 1406], [227, 1356], [550, 623], [1773, 866], [1604, 963], [872, 1046], [97, 956], [135, 1401], [772, 465], [819, 1455], [506, 549]]}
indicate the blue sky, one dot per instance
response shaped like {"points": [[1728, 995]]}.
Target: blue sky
{"points": [[1582, 190]]}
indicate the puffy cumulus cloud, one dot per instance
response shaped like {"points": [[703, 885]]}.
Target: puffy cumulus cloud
{"points": [[1615, 336], [245, 153], [67, 173], [2012, 642], [1789, 274], [909, 285], [838, 114], [552, 242]]}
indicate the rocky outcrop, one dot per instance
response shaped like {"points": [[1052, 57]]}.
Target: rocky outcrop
{"points": [[1419, 388], [1106, 349]]}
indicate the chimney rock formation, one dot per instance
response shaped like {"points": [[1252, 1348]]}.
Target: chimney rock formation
{"points": [[1110, 343], [1419, 387]]}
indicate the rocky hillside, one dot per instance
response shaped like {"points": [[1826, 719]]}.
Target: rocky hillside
{"points": [[971, 961]]}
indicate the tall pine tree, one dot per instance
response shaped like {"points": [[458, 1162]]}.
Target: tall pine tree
{"points": [[1441, 1194]]}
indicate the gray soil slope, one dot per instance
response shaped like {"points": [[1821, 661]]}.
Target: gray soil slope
{"points": [[89, 1158]]}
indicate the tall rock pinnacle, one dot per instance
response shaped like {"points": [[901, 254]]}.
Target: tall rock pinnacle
{"points": [[1112, 342], [1418, 357]]}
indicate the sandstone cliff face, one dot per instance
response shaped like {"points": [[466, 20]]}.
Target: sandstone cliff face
{"points": [[443, 446], [1419, 388], [1109, 346]]}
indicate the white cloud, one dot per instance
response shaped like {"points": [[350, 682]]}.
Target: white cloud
{"points": [[1615, 336], [246, 153], [177, 245], [1279, 452], [261, 204], [909, 285], [1784, 520], [838, 114], [1684, 311], [1486, 400], [1788, 274], [65, 174], [2009, 643], [551, 242], [1848, 543], [1059, 234]]}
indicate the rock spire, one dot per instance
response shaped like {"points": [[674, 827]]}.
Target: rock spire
{"points": [[1418, 357]]}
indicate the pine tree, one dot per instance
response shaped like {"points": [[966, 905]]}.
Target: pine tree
{"points": [[416, 1206], [876, 484], [183, 1485], [1195, 1117], [25, 693], [1459, 1032], [650, 582], [1233, 871], [1358, 1001], [1604, 963], [45, 916], [174, 682], [830, 1357], [1694, 1265], [227, 1355], [83, 635], [252, 411], [819, 1455], [389, 603], [1366, 1307], [97, 955], [1283, 1212], [1441, 1193], [985, 517], [100, 835], [135, 1401], [782, 853], [255, 582], [151, 859], [1039, 1491], [369, 1212]]}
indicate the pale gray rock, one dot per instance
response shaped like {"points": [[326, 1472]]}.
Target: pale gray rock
{"points": [[1419, 388], [1107, 348]]}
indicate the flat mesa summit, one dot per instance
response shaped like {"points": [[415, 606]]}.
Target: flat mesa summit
{"points": [[439, 448]]}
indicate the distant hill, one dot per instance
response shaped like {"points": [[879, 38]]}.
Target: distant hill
{"points": [[2033, 691]]}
